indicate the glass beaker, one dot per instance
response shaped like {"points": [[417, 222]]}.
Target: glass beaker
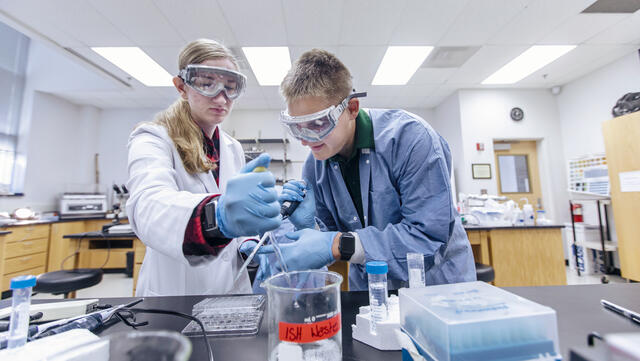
{"points": [[304, 318]]}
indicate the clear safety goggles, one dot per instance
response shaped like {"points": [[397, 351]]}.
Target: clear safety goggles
{"points": [[210, 80], [315, 127]]}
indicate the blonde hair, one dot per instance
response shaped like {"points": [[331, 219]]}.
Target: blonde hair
{"points": [[317, 73], [177, 118]]}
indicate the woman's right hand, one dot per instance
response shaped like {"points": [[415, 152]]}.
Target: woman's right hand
{"points": [[249, 206]]}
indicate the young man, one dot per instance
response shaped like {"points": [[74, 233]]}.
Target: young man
{"points": [[377, 182]]}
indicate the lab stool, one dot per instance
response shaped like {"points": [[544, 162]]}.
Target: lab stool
{"points": [[67, 281], [484, 272]]}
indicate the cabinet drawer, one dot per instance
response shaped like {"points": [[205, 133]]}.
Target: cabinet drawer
{"points": [[474, 237], [25, 262], [17, 249], [21, 233], [6, 280]]}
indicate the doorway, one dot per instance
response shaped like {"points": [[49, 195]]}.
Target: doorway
{"points": [[517, 171]]}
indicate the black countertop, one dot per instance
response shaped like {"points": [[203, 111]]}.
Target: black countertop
{"points": [[2, 233], [488, 228], [48, 221], [578, 310], [100, 235]]}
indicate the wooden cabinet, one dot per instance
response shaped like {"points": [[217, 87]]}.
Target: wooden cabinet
{"points": [[39, 248], [140, 249], [529, 256], [24, 251], [621, 136], [63, 249]]}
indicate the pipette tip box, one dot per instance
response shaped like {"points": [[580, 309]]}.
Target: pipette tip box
{"points": [[476, 321]]}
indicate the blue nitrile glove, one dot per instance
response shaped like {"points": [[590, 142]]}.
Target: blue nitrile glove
{"points": [[304, 215], [249, 205], [311, 249]]}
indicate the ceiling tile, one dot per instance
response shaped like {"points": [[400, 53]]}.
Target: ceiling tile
{"points": [[480, 20], [536, 20], [582, 60], [140, 20], [369, 22], [484, 63], [411, 102], [166, 56], [36, 22], [259, 24], [90, 27], [196, 19], [384, 91], [362, 62], [417, 91], [581, 27], [626, 31], [431, 75], [313, 23], [426, 22]]}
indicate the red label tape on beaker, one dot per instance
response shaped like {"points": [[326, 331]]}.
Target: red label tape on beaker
{"points": [[309, 332]]}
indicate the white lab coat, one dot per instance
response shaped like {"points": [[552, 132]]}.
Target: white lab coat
{"points": [[162, 198]]}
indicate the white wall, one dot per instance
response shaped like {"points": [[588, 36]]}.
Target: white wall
{"points": [[446, 121], [60, 150], [114, 128], [482, 116], [586, 102]]}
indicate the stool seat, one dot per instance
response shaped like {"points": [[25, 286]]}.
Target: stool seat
{"points": [[66, 281], [484, 272]]}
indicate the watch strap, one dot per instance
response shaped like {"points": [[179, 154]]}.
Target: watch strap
{"points": [[347, 246]]}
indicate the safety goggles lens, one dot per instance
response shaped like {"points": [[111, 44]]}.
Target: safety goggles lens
{"points": [[312, 130], [210, 81], [316, 126]]}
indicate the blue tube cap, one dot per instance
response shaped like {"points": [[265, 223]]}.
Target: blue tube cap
{"points": [[23, 282], [377, 267]]}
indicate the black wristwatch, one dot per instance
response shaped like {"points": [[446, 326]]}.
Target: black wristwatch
{"points": [[347, 246], [210, 229]]}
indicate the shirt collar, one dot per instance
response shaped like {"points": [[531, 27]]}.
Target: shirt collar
{"points": [[363, 137]]}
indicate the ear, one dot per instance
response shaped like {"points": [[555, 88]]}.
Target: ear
{"points": [[354, 107], [179, 84]]}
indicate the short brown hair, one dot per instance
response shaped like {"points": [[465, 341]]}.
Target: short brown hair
{"points": [[317, 73]]}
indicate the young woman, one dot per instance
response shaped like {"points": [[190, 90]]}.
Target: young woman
{"points": [[191, 194]]}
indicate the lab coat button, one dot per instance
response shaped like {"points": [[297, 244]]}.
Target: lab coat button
{"points": [[335, 166], [355, 218], [367, 161]]}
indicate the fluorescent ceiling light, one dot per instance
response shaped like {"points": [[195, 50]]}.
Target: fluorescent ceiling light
{"points": [[527, 63], [269, 64], [399, 64], [136, 63]]}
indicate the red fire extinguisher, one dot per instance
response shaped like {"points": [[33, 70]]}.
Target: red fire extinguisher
{"points": [[577, 213]]}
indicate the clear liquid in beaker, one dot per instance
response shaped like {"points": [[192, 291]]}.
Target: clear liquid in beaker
{"points": [[324, 350]]}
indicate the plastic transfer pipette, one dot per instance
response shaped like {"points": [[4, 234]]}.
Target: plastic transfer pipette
{"points": [[286, 210]]}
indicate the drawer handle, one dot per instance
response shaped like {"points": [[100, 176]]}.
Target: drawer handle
{"points": [[26, 259], [27, 243]]}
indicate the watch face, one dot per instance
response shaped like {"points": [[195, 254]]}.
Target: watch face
{"points": [[517, 114]]}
